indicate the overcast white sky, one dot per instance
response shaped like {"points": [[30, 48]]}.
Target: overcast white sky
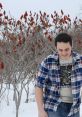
{"points": [[17, 7]]}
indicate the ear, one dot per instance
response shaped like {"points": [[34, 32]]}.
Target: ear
{"points": [[56, 49], [55, 46]]}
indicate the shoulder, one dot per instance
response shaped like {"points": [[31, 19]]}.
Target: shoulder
{"points": [[77, 56], [51, 58]]}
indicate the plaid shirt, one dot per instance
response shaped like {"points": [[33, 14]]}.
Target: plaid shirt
{"points": [[49, 79]]}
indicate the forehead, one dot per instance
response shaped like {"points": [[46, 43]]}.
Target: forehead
{"points": [[62, 45]]}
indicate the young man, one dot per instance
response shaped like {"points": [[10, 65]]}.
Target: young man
{"points": [[59, 80]]}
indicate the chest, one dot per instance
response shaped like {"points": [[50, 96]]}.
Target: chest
{"points": [[55, 72]]}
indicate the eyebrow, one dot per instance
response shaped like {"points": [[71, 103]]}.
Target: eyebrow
{"points": [[65, 49]]}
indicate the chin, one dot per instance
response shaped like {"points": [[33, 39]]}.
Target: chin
{"points": [[65, 57]]}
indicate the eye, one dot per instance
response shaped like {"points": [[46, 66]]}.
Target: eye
{"points": [[67, 49]]}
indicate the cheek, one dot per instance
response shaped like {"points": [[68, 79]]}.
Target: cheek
{"points": [[69, 53]]}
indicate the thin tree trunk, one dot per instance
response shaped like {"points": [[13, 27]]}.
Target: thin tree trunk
{"points": [[17, 110]]}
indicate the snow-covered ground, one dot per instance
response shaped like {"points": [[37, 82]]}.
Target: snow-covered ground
{"points": [[26, 109], [7, 108]]}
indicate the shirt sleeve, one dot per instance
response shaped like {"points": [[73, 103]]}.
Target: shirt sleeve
{"points": [[42, 75], [81, 70]]}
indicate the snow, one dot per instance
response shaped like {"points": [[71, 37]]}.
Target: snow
{"points": [[7, 108], [26, 109]]}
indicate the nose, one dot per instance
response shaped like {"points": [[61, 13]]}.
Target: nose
{"points": [[64, 53]]}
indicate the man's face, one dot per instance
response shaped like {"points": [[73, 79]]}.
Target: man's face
{"points": [[64, 50]]}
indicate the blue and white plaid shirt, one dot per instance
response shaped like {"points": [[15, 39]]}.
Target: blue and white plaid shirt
{"points": [[49, 79]]}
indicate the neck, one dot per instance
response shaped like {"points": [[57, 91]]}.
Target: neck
{"points": [[66, 58]]}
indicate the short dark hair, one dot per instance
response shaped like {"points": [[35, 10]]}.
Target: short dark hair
{"points": [[63, 37]]}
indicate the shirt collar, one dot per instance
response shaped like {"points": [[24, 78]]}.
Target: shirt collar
{"points": [[75, 55]]}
